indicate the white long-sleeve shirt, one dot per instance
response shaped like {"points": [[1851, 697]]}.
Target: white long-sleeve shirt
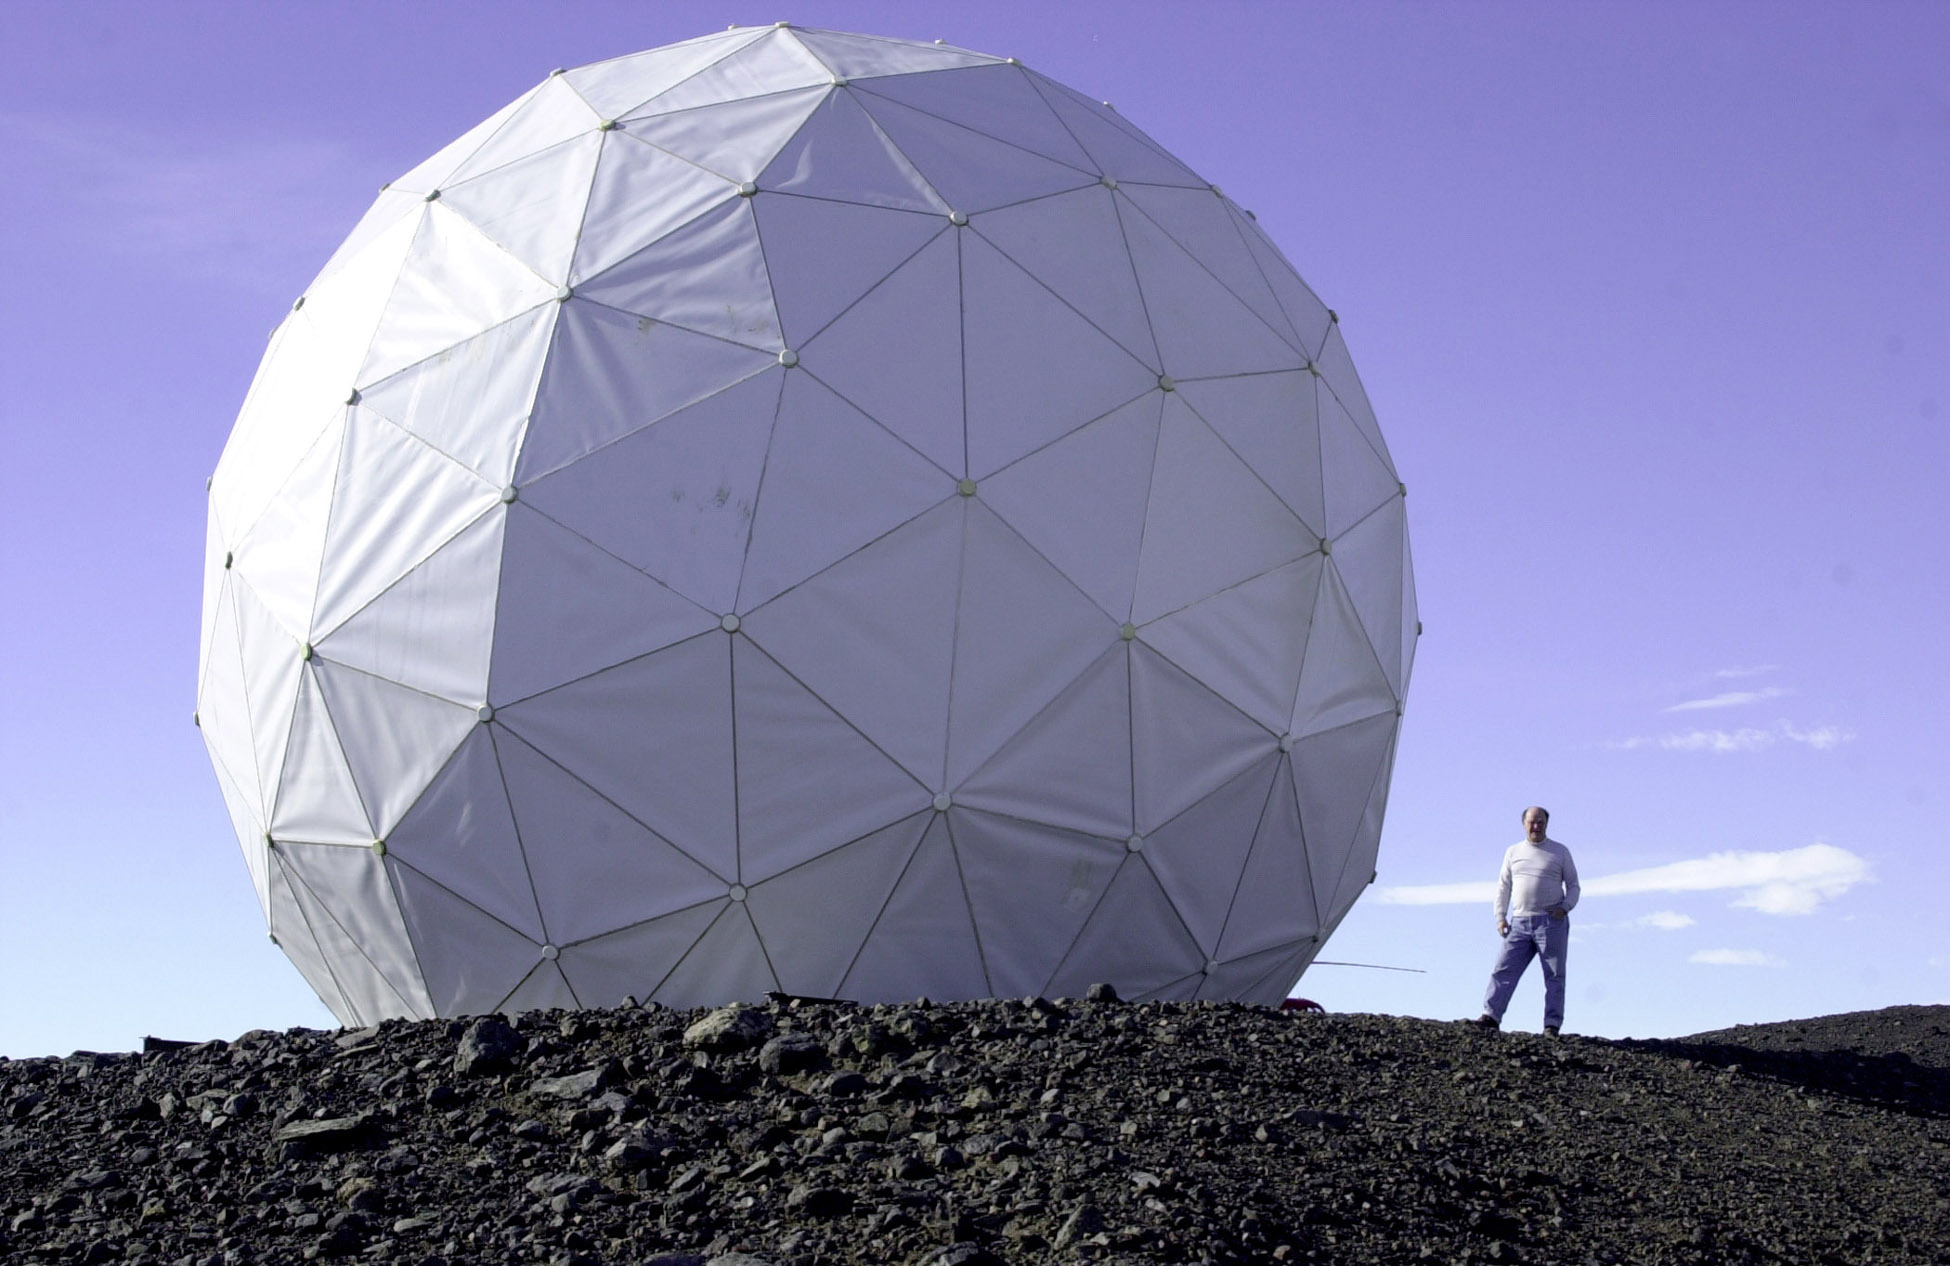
{"points": [[1534, 878]]}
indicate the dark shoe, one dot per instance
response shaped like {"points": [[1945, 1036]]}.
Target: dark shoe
{"points": [[1487, 1022], [1550, 1030]]}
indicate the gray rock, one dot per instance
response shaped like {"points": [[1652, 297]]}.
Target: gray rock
{"points": [[791, 1053], [734, 1028], [576, 1085], [332, 1134], [489, 1045]]}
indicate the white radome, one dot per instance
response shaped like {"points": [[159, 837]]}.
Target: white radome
{"points": [[799, 511]]}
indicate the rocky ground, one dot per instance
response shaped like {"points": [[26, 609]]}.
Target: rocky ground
{"points": [[802, 1132]]}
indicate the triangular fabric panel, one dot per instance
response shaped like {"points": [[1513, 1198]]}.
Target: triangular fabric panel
{"points": [[1211, 522], [353, 886], [1274, 903], [271, 669], [434, 627], [548, 116], [632, 962], [532, 207], [1185, 740], [1271, 422], [316, 796], [973, 172], [437, 170], [281, 554], [455, 284], [311, 368], [1341, 679], [215, 575], [340, 313], [896, 354], [707, 276], [841, 154], [361, 985], [1081, 501], [615, 87], [735, 139], [1031, 888], [223, 709], [923, 942], [1023, 634], [1117, 149], [1305, 313], [544, 989], [1074, 244], [1198, 855], [397, 501], [675, 499], [1010, 320], [866, 56], [395, 738], [472, 402], [1337, 371], [1199, 221], [1246, 644], [595, 868], [1334, 774], [654, 736], [293, 934], [728, 964], [567, 608], [639, 195], [807, 780], [461, 833], [1070, 766], [1411, 617], [873, 635], [848, 887], [611, 373], [250, 838], [1369, 559], [1361, 868], [833, 482], [1184, 989], [1356, 478], [470, 961], [821, 256], [1203, 329], [387, 212], [995, 100], [773, 63], [1260, 979], [1134, 940]]}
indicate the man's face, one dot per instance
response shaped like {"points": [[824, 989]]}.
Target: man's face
{"points": [[1534, 823]]}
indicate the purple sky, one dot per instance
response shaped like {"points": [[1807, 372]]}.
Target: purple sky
{"points": [[1653, 302]]}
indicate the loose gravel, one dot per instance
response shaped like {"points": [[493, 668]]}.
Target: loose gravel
{"points": [[811, 1133]]}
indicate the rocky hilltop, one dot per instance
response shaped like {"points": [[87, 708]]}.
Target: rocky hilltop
{"points": [[800, 1131]]}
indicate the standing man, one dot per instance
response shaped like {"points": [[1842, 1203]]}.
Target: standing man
{"points": [[1535, 894]]}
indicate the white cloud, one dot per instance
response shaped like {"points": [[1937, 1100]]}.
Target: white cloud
{"points": [[1735, 958], [1791, 881], [1749, 670], [1664, 920], [1747, 739], [1439, 894], [1731, 699]]}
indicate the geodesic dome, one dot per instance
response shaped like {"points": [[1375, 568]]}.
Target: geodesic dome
{"points": [[801, 511]]}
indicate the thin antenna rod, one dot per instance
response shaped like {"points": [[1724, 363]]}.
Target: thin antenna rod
{"points": [[1325, 962]]}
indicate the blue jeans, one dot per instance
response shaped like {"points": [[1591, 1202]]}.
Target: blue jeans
{"points": [[1531, 936]]}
